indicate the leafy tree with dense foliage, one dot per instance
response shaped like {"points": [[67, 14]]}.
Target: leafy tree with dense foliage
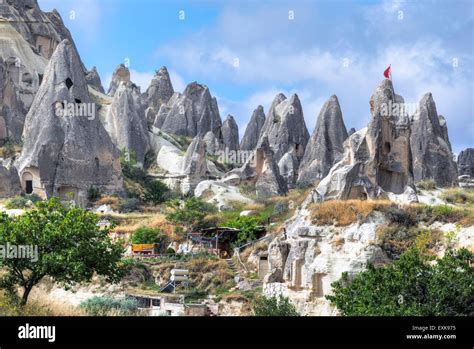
{"points": [[249, 228], [105, 305], [156, 192], [189, 213], [274, 306], [410, 286], [145, 235], [71, 248]]}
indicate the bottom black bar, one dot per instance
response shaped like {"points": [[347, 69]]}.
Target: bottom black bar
{"points": [[321, 332]]}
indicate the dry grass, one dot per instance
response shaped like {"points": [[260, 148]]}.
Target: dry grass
{"points": [[257, 247], [345, 212], [395, 239], [458, 196], [39, 306], [112, 201], [426, 184], [128, 223]]}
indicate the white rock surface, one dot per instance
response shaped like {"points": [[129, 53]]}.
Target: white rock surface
{"points": [[220, 193]]}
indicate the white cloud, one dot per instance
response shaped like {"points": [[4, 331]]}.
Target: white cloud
{"points": [[84, 16], [177, 81], [141, 79]]}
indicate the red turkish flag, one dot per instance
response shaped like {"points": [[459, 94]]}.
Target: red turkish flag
{"points": [[388, 72]]}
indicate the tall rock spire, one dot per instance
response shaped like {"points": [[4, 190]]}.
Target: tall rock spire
{"points": [[286, 131], [125, 121], [67, 149], [431, 149], [230, 133], [160, 90], [121, 74], [376, 159], [326, 144], [252, 132]]}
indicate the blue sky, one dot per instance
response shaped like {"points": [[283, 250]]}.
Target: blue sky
{"points": [[312, 48]]}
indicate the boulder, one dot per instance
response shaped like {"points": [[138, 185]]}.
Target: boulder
{"points": [[431, 149], [325, 147], [220, 194], [194, 165], [252, 132]]}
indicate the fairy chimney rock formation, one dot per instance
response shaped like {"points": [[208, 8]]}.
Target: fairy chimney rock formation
{"points": [[252, 132], [125, 121], [230, 134], [431, 149], [286, 132], [66, 149], [93, 79], [121, 74], [376, 159], [325, 146], [466, 162]]}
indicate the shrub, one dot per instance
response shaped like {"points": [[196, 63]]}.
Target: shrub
{"points": [[145, 235], [105, 305], [248, 226], [130, 168], [273, 306], [426, 184], [156, 192], [458, 196], [189, 213], [23, 201], [129, 205], [400, 216], [411, 286], [395, 239], [93, 193], [7, 150], [113, 201]]}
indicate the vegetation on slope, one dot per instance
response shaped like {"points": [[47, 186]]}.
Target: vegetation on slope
{"points": [[411, 286], [71, 248]]}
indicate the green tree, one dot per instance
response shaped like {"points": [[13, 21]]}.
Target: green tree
{"points": [[156, 192], [145, 235], [71, 248], [189, 213], [410, 286], [274, 306], [248, 226]]}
